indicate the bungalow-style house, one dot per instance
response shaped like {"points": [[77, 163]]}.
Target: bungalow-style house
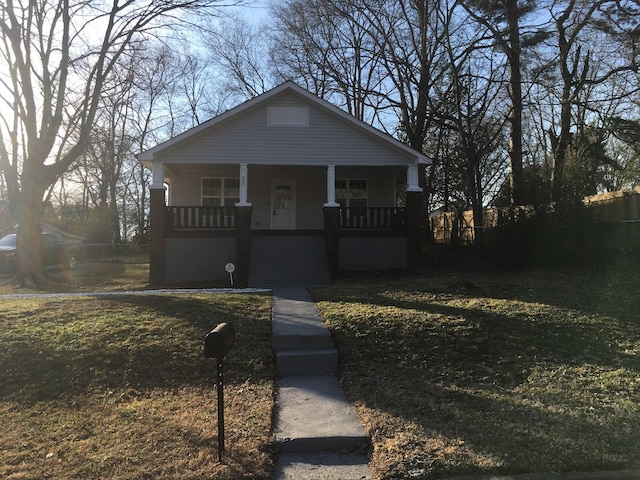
{"points": [[287, 188]]}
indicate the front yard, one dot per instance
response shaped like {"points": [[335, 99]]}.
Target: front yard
{"points": [[117, 388], [451, 374], [497, 373]]}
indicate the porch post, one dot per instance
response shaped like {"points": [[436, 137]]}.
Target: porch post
{"points": [[413, 219], [332, 223], [332, 238], [412, 179], [243, 243], [156, 235], [244, 183], [331, 186], [414, 229], [157, 175]]}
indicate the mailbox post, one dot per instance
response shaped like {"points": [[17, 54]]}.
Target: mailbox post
{"points": [[216, 344]]}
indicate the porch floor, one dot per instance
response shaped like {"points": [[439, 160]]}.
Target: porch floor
{"points": [[284, 260]]}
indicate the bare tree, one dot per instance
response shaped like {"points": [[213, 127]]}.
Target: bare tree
{"points": [[238, 49], [328, 47], [56, 57], [471, 98], [577, 24], [102, 163], [503, 20]]}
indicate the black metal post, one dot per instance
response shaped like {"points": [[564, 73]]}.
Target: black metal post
{"points": [[216, 344], [220, 383]]}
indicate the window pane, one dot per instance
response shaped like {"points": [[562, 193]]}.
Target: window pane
{"points": [[211, 187], [211, 202], [358, 189], [283, 197], [232, 187], [341, 190]]}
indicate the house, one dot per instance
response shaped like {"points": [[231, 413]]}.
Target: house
{"points": [[286, 187]]}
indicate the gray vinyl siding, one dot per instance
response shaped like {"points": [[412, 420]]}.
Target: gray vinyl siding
{"points": [[247, 138]]}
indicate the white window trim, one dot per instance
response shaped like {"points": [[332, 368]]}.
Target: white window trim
{"points": [[222, 188], [348, 198]]}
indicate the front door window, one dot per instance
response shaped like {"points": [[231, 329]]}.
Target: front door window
{"points": [[283, 205]]}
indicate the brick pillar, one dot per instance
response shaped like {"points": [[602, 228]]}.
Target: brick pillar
{"points": [[414, 230], [243, 239], [332, 238], [156, 236]]}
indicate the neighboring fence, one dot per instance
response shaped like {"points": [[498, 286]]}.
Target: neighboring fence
{"points": [[614, 222], [608, 222], [452, 227]]}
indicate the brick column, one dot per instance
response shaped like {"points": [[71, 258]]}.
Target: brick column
{"points": [[332, 238], [414, 230], [156, 236], [243, 239]]}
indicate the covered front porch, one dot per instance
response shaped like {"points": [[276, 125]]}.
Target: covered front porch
{"points": [[193, 243]]}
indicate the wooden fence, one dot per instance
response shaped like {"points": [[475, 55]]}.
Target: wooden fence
{"points": [[608, 222]]}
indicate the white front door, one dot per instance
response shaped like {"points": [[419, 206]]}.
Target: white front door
{"points": [[283, 204]]}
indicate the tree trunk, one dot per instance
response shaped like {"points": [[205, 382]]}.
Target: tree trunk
{"points": [[29, 235], [478, 210], [515, 116]]}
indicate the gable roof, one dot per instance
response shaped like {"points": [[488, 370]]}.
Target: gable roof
{"points": [[191, 135]]}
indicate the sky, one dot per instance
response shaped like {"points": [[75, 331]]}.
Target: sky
{"points": [[257, 11]]}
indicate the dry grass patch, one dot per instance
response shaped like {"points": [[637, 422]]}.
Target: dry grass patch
{"points": [[492, 373], [117, 387], [90, 276]]}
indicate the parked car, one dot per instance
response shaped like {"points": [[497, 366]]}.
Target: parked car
{"points": [[54, 252]]}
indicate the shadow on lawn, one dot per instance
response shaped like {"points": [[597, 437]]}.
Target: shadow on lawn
{"points": [[468, 373], [497, 435], [132, 343], [549, 335]]}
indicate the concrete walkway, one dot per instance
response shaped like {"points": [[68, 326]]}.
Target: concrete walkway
{"points": [[317, 431]]}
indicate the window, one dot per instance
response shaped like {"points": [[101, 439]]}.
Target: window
{"points": [[351, 193], [220, 192]]}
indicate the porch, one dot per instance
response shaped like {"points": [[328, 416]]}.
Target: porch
{"points": [[196, 242]]}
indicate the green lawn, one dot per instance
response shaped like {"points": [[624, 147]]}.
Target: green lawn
{"points": [[500, 373]]}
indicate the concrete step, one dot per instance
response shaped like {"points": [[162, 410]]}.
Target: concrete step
{"points": [[287, 280], [297, 324], [322, 466], [314, 416], [307, 362]]}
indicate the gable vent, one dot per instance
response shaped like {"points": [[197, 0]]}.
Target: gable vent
{"points": [[287, 116]]}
